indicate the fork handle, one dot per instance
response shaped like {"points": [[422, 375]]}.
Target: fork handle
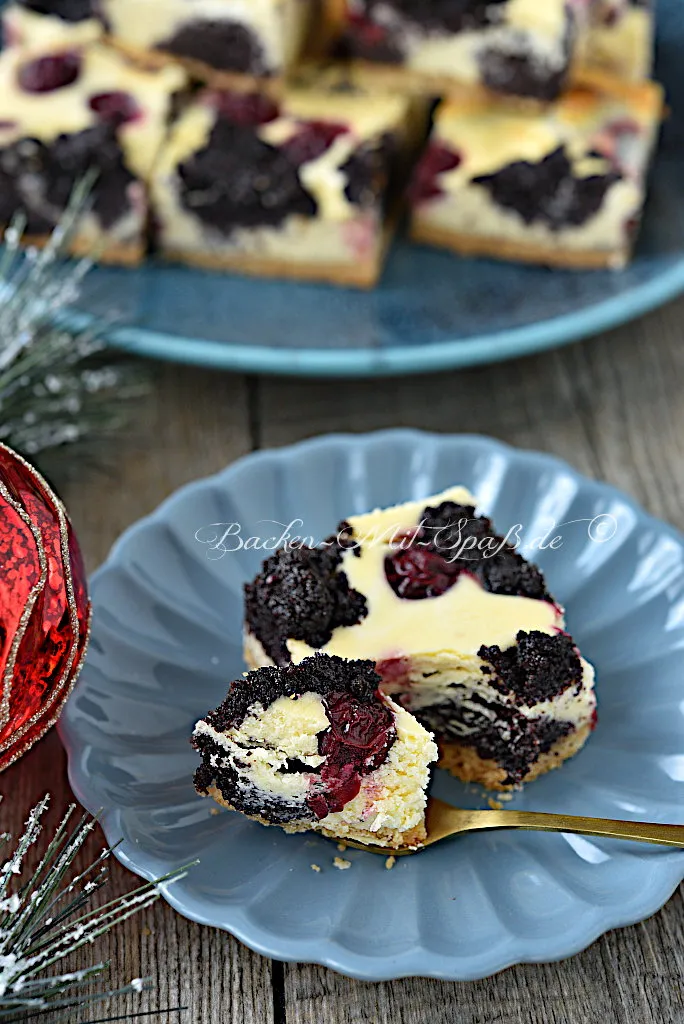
{"points": [[642, 831]]}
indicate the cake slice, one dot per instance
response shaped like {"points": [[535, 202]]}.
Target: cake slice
{"points": [[513, 47], [562, 188], [297, 187], [68, 112], [35, 24], [461, 628], [223, 42], [317, 746], [616, 37]]}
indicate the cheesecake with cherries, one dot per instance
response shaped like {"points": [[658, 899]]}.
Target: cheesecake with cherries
{"points": [[564, 188], [516, 48], [316, 746], [70, 113], [461, 628], [223, 42], [299, 186]]}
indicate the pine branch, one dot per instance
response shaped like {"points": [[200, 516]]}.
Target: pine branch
{"points": [[61, 390], [45, 919]]}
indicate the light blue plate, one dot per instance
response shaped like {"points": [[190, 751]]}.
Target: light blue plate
{"points": [[432, 310], [166, 640]]}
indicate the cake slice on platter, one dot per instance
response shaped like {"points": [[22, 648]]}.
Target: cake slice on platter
{"points": [[316, 746], [517, 48], [70, 112], [223, 42], [297, 187], [461, 628], [563, 188]]}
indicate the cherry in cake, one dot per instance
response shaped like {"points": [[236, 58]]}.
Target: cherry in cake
{"points": [[70, 112], [461, 628], [316, 746], [441, 44], [221, 43], [295, 187], [564, 187]]}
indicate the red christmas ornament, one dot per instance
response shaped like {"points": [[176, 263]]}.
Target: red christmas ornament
{"points": [[44, 607]]}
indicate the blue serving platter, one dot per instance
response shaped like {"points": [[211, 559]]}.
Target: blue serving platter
{"points": [[167, 639], [432, 310]]}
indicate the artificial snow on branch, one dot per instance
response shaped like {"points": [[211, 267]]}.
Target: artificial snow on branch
{"points": [[45, 916], [60, 385]]}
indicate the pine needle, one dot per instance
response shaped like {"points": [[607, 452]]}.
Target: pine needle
{"points": [[61, 389], [45, 918]]}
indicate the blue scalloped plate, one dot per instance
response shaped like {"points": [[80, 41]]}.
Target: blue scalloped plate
{"points": [[432, 310], [166, 640]]}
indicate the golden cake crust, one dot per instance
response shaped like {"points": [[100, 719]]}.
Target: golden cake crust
{"points": [[466, 764], [526, 252], [198, 69], [383, 837], [363, 274], [117, 253]]}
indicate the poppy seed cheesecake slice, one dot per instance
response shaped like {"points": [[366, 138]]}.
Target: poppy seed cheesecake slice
{"points": [[316, 746], [461, 628]]}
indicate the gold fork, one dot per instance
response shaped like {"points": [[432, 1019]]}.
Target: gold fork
{"points": [[442, 820]]}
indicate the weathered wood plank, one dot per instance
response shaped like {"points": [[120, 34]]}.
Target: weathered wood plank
{"points": [[612, 407], [195, 423]]}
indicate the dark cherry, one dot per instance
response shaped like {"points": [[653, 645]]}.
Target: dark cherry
{"points": [[246, 108], [45, 74], [311, 141], [436, 160], [356, 743], [115, 107], [358, 725], [416, 573]]}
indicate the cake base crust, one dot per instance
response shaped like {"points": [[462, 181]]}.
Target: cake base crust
{"points": [[383, 837], [273, 85], [525, 252], [118, 253], [519, 251], [467, 765], [399, 77], [363, 274]]}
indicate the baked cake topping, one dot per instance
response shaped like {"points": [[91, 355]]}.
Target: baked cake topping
{"points": [[220, 43], [316, 745], [301, 594], [218, 181], [325, 676], [431, 564], [537, 668], [462, 630], [548, 191]]}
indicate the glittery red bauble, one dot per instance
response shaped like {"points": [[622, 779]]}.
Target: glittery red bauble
{"points": [[44, 607]]}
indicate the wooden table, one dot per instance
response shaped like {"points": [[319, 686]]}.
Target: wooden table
{"points": [[613, 406]]}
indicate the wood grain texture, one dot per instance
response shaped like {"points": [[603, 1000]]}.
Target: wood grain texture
{"points": [[614, 408]]}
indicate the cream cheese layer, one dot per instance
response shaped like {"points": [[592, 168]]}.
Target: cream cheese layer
{"points": [[461, 620]]}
